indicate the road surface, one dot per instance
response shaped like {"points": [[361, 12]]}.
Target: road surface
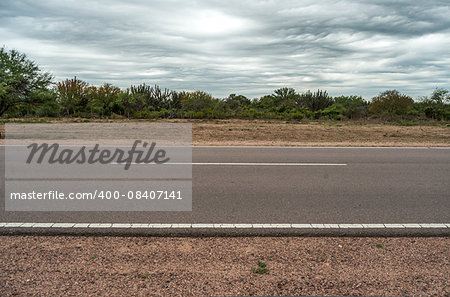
{"points": [[288, 190]]}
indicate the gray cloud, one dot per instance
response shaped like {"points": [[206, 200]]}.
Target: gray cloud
{"points": [[248, 47]]}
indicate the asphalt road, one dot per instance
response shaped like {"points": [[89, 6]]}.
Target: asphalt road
{"points": [[351, 186]]}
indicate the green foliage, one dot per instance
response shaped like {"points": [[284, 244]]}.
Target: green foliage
{"points": [[355, 106], [237, 102], [21, 81], [49, 106], [280, 101], [153, 97], [197, 101], [266, 102], [261, 269], [315, 101], [336, 111], [25, 91], [391, 102], [436, 107], [103, 100], [437, 112], [440, 96], [73, 96], [285, 98], [126, 103]]}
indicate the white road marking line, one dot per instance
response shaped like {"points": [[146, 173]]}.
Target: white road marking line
{"points": [[375, 226], [241, 164], [224, 226], [42, 225], [202, 226], [133, 226], [434, 225], [394, 226], [283, 226], [121, 226], [63, 225], [80, 226], [27, 225], [270, 164], [320, 226], [13, 225], [301, 226], [351, 226], [240, 226], [181, 225], [100, 225], [159, 226], [332, 226], [312, 147], [411, 225]]}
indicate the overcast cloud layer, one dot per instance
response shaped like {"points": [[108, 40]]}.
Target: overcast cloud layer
{"points": [[246, 47]]}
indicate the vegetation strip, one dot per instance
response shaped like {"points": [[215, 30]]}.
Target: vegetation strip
{"points": [[27, 91]]}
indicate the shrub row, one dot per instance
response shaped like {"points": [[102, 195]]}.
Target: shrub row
{"points": [[26, 91], [76, 98]]}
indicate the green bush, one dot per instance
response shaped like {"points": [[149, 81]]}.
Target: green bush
{"points": [[49, 106], [391, 103], [336, 111], [436, 107], [296, 115], [314, 101], [197, 101], [356, 107], [237, 101]]}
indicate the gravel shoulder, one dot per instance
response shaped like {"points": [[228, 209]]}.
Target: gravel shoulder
{"points": [[168, 266]]}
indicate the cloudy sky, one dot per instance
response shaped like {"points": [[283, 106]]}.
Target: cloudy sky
{"points": [[237, 46]]}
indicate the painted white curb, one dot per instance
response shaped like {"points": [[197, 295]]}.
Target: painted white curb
{"points": [[225, 226]]}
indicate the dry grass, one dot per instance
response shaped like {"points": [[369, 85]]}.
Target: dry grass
{"points": [[238, 132], [348, 133]]}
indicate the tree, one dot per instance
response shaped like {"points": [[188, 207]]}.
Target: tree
{"points": [[73, 95], [197, 101], [315, 101], [153, 98], [440, 96], [391, 102], [103, 98], [281, 100], [437, 106], [266, 102], [285, 97], [234, 101], [20, 80], [356, 106]]}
